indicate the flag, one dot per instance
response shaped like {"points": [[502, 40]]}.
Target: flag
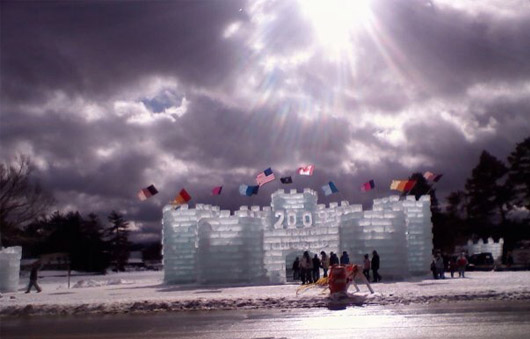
{"points": [[252, 190], [308, 170], [394, 185], [330, 188], [248, 190], [432, 177], [147, 192], [217, 190], [367, 186], [410, 185], [243, 189], [182, 198], [265, 177], [286, 180], [428, 175], [402, 185]]}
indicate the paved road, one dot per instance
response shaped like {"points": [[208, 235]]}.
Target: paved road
{"points": [[469, 320]]}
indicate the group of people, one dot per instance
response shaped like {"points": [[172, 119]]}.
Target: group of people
{"points": [[307, 269], [440, 264], [373, 265]]}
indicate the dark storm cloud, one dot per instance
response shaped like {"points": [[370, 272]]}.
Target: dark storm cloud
{"points": [[453, 49], [92, 48], [77, 82]]}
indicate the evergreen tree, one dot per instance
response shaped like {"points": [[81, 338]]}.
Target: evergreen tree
{"points": [[118, 240], [485, 191], [69, 233], [96, 258], [457, 204], [519, 174]]}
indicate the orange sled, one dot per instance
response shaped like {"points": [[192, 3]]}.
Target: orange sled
{"points": [[341, 276]]}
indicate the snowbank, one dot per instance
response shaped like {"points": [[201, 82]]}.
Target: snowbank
{"points": [[144, 292]]}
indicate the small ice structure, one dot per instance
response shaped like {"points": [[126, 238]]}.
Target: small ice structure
{"points": [[489, 245], [10, 268], [208, 245]]}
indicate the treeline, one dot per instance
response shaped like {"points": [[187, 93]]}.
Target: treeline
{"points": [[495, 202], [89, 243]]}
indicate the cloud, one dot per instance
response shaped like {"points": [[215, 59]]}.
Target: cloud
{"points": [[108, 98]]}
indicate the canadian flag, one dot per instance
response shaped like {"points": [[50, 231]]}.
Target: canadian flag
{"points": [[308, 170]]}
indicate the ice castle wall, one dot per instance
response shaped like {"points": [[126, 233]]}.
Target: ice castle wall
{"points": [[230, 247], [207, 245], [489, 245], [10, 268], [296, 228]]}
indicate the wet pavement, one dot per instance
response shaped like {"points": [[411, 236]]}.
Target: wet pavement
{"points": [[497, 319]]}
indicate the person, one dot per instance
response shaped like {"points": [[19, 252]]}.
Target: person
{"points": [[33, 275], [344, 258], [333, 259], [452, 266], [462, 263], [306, 267], [509, 259], [296, 269], [316, 268], [324, 263], [439, 266], [433, 268], [375, 267], [366, 267]]}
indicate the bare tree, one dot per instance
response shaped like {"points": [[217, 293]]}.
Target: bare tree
{"points": [[21, 199]]}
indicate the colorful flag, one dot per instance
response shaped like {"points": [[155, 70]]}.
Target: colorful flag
{"points": [[367, 186], [431, 176], [252, 190], [182, 198], [217, 190], [308, 170], [402, 185], [248, 190], [410, 185], [330, 188], [428, 175], [243, 189], [286, 180], [265, 177], [147, 192]]}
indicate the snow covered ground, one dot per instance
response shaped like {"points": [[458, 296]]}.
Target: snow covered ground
{"points": [[136, 292]]}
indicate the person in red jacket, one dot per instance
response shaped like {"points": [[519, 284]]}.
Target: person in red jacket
{"points": [[462, 263]]}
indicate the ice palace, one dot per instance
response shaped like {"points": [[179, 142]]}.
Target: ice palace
{"points": [[207, 245]]}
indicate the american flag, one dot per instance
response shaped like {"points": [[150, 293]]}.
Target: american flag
{"points": [[147, 192], [265, 177]]}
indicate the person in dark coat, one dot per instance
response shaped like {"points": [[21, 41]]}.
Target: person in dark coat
{"points": [[324, 263], [33, 276], [316, 268], [344, 258], [375, 266], [306, 268], [296, 269], [333, 259]]}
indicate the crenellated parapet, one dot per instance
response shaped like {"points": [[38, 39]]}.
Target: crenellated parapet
{"points": [[206, 245]]}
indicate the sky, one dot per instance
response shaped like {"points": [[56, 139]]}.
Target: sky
{"points": [[111, 97]]}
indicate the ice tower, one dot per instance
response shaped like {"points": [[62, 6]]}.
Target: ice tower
{"points": [[258, 245]]}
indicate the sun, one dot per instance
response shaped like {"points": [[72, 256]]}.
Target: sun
{"points": [[336, 21]]}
